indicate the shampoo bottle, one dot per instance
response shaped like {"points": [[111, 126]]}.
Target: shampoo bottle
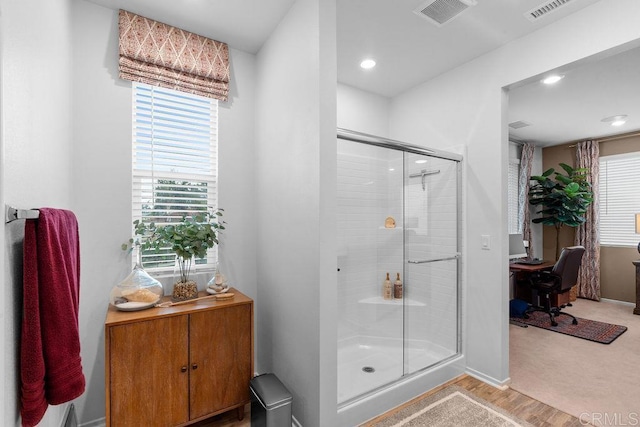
{"points": [[397, 287], [387, 289]]}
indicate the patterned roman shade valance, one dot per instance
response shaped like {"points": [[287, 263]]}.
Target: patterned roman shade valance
{"points": [[161, 55]]}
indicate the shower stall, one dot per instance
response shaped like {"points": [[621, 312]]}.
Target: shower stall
{"points": [[398, 213]]}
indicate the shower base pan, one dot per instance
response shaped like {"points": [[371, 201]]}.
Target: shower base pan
{"points": [[366, 363]]}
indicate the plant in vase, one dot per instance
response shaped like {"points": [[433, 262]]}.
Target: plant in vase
{"points": [[189, 238]]}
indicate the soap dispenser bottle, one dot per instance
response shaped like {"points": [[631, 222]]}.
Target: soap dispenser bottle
{"points": [[397, 287], [387, 289]]}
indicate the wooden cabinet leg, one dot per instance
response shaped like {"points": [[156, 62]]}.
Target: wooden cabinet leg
{"points": [[240, 413]]}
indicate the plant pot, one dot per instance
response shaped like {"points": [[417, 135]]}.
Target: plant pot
{"points": [[183, 291]]}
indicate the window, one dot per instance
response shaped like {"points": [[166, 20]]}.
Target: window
{"points": [[512, 198], [174, 162], [619, 199]]}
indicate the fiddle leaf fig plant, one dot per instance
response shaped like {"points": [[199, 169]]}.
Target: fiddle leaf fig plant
{"points": [[562, 198]]}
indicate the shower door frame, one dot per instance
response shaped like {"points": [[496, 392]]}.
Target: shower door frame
{"points": [[364, 138]]}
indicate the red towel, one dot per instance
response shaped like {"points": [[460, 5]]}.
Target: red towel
{"points": [[51, 370]]}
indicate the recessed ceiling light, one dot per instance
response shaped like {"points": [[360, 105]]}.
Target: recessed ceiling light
{"points": [[552, 79], [618, 120], [367, 64]]}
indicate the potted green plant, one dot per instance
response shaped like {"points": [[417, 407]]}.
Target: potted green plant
{"points": [[563, 198], [189, 238]]}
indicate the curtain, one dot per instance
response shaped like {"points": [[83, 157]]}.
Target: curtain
{"points": [[587, 234], [161, 55], [526, 158]]}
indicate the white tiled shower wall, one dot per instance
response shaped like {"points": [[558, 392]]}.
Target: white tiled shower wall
{"points": [[370, 189], [363, 199]]}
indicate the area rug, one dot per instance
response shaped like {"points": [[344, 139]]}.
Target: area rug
{"points": [[452, 407], [604, 333]]}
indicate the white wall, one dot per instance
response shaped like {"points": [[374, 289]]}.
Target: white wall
{"points": [[296, 175], [36, 161], [102, 181], [66, 134], [79, 137], [4, 384], [362, 111], [237, 173], [468, 105]]}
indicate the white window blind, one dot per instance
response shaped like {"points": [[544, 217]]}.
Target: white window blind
{"points": [[619, 199], [174, 162], [512, 215]]}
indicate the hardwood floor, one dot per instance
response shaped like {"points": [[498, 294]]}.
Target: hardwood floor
{"points": [[516, 403]]}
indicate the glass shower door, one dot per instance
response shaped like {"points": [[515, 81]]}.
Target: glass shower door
{"points": [[431, 261], [370, 245]]}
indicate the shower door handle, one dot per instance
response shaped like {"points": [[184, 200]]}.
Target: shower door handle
{"points": [[425, 261]]}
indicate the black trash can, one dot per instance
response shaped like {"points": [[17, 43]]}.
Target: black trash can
{"points": [[270, 402]]}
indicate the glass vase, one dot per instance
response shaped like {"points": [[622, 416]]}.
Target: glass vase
{"points": [[184, 289], [218, 283], [138, 290]]}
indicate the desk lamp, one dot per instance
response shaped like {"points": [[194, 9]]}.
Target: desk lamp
{"points": [[638, 227]]}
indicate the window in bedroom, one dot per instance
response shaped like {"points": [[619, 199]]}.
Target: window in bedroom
{"points": [[174, 162], [619, 200]]}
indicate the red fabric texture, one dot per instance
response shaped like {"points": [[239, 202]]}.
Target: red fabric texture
{"points": [[50, 364]]}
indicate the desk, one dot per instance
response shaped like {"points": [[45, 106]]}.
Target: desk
{"points": [[523, 291], [527, 268]]}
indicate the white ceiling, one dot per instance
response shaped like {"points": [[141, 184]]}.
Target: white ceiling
{"points": [[242, 24], [410, 49], [573, 108]]}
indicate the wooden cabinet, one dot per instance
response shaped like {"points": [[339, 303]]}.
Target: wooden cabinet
{"points": [[178, 365]]}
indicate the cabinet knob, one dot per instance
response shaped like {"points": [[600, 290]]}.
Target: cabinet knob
{"points": [[183, 369], [194, 366]]}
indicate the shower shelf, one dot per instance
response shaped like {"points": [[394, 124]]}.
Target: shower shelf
{"points": [[382, 301]]}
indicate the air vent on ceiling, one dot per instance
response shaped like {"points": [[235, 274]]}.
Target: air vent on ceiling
{"points": [[545, 9], [519, 124], [440, 12]]}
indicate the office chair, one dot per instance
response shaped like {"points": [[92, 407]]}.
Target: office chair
{"points": [[559, 280]]}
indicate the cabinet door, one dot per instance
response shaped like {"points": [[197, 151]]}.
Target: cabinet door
{"points": [[148, 387], [220, 357]]}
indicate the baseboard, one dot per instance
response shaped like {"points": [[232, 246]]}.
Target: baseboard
{"points": [[100, 422], [615, 301], [502, 385]]}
